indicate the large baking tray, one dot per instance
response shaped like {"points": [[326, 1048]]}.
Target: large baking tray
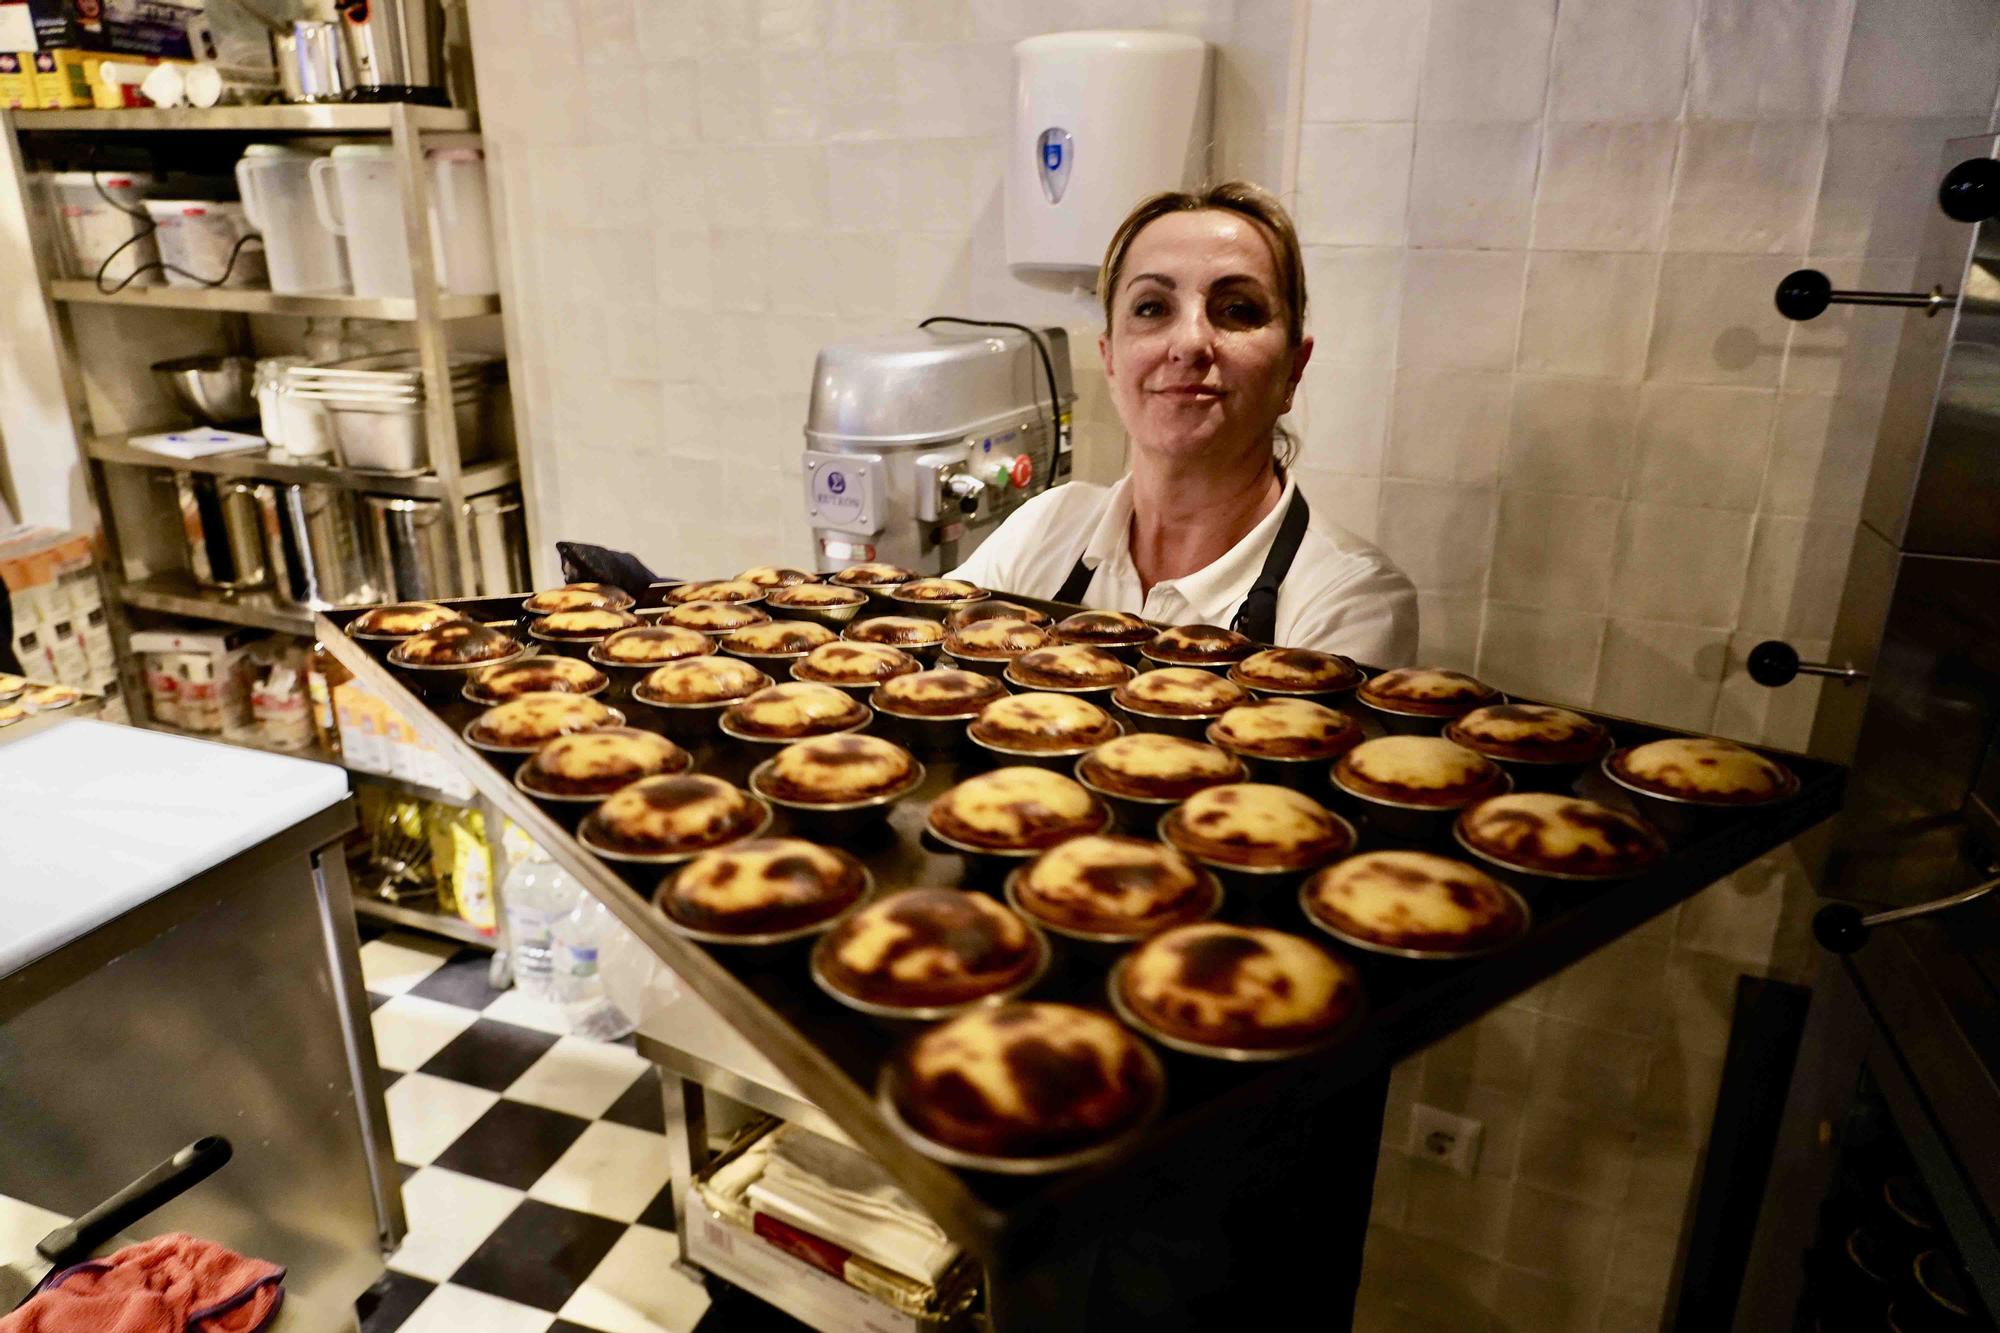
{"points": [[1216, 1113]]}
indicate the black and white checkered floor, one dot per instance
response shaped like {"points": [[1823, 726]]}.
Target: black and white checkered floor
{"points": [[534, 1165]]}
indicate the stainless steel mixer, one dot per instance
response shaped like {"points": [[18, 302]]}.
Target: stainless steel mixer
{"points": [[918, 444]]}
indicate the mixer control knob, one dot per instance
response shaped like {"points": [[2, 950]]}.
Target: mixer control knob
{"points": [[966, 488]]}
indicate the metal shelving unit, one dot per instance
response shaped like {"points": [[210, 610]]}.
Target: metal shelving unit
{"points": [[178, 595], [269, 465], [371, 908], [332, 118], [248, 301]]}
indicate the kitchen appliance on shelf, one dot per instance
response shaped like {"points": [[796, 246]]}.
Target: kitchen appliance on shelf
{"points": [[312, 62], [412, 544], [224, 530], [318, 556], [1898, 1069], [395, 50], [919, 444]]}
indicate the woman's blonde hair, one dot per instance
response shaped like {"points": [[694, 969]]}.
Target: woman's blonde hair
{"points": [[1246, 200]]}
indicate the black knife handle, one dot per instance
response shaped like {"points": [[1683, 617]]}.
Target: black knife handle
{"points": [[190, 1166]]}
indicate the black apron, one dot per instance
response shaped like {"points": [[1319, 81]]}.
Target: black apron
{"points": [[1257, 618]]}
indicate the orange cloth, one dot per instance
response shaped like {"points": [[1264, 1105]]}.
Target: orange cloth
{"points": [[170, 1284]]}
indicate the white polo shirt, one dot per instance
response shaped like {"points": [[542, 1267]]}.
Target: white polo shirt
{"points": [[1341, 595]]}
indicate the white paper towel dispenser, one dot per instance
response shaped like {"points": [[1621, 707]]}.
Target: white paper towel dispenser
{"points": [[1101, 120]]}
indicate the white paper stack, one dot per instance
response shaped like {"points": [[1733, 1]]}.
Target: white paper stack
{"points": [[836, 1193], [197, 443]]}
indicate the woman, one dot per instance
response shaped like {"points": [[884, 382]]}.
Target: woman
{"points": [[1203, 345]]}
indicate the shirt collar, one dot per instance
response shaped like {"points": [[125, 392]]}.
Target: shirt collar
{"points": [[1213, 592]]}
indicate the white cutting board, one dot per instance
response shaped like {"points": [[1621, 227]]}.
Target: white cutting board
{"points": [[96, 818]]}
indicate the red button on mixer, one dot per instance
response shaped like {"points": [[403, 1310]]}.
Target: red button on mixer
{"points": [[1022, 472]]}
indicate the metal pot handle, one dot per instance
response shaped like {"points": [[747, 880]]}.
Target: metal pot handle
{"points": [[1841, 928]]}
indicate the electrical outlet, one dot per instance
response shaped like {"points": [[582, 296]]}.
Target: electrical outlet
{"points": [[1447, 1139]]}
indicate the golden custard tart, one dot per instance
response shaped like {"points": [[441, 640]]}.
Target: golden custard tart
{"points": [[1284, 728], [1067, 666], [872, 575], [1426, 771], [762, 891], [1104, 629], [1702, 770], [999, 640], [455, 645], [48, 698], [712, 617], [1148, 766], [400, 620], [1235, 992], [944, 693], [672, 818], [1530, 734], [922, 953], [715, 590], [837, 770], [590, 765], [995, 609], [1414, 905], [1559, 837], [896, 631], [577, 597], [1178, 691], [650, 645], [1105, 888], [1426, 692], [1257, 827], [814, 596], [1198, 645], [534, 675], [1015, 811], [1043, 724], [528, 721], [1023, 1088], [951, 591], [768, 577], [12, 713], [792, 712], [587, 623], [694, 681], [11, 685], [1296, 671], [778, 638], [854, 665]]}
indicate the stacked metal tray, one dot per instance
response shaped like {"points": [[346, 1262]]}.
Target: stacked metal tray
{"points": [[1215, 1110]]}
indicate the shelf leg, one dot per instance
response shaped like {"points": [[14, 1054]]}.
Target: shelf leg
{"points": [[500, 970], [686, 1109]]}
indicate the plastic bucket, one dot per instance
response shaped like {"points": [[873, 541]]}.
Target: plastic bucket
{"points": [[104, 219], [196, 239], [461, 222], [305, 258]]}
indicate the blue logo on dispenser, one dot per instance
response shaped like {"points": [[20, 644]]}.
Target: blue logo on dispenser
{"points": [[1056, 151], [837, 482]]}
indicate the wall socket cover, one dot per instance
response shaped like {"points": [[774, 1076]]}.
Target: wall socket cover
{"points": [[1449, 1140]]}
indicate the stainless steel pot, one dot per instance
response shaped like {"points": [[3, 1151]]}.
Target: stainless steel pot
{"points": [[224, 529], [318, 556], [413, 545], [312, 62], [395, 49]]}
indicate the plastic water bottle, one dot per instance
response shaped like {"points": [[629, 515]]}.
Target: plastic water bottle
{"points": [[537, 894], [580, 936]]}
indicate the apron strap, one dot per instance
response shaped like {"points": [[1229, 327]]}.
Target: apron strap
{"points": [[1257, 618], [1073, 587]]}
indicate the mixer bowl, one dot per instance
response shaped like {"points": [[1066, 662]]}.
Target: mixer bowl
{"points": [[215, 389]]}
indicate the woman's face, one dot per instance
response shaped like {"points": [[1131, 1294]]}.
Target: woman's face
{"points": [[1197, 356]]}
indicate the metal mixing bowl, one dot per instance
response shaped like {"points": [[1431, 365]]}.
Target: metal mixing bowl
{"points": [[215, 389]]}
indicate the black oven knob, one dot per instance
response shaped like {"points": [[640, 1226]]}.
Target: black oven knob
{"points": [[1971, 190], [1774, 662], [1806, 293]]}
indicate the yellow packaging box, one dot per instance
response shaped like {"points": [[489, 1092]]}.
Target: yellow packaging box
{"points": [[17, 79], [63, 78]]}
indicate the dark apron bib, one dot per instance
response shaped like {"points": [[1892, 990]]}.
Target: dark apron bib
{"points": [[1257, 618]]}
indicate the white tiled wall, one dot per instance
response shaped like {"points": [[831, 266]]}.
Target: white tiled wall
{"points": [[1543, 240], [699, 194]]}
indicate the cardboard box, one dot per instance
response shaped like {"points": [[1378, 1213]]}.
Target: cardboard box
{"points": [[63, 77], [17, 79], [128, 27]]}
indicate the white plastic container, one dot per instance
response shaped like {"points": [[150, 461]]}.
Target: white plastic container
{"points": [[197, 237], [1101, 120], [354, 192], [461, 222], [305, 257], [102, 211]]}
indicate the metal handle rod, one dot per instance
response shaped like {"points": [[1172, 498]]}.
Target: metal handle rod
{"points": [[1828, 669], [1931, 301], [1935, 905]]}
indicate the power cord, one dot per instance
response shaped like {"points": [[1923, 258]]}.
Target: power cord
{"points": [[1058, 433], [149, 228]]}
